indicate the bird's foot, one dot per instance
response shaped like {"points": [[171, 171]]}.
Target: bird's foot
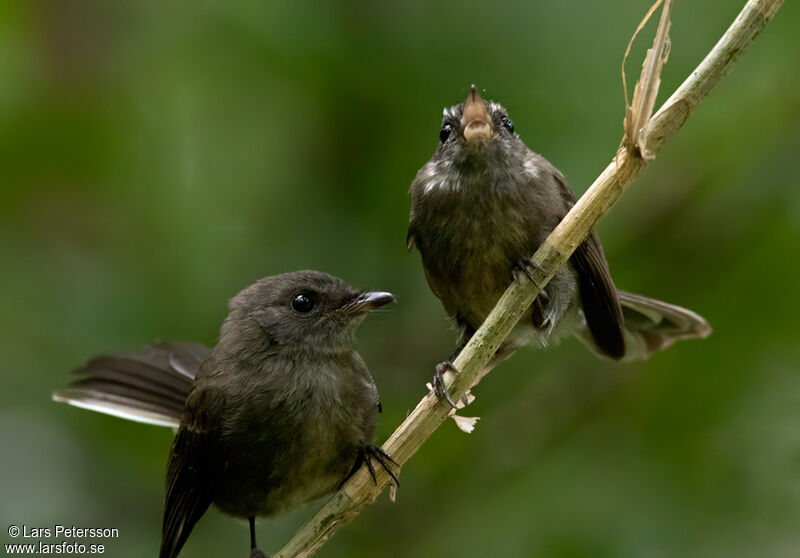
{"points": [[526, 267], [365, 455], [378, 454], [439, 387], [256, 553]]}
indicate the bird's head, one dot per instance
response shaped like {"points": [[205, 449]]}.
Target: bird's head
{"points": [[305, 310], [476, 130], [477, 147]]}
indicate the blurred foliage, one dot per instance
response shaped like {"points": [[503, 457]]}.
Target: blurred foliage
{"points": [[156, 157]]}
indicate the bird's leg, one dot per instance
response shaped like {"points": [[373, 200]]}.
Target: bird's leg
{"points": [[365, 454], [439, 387], [254, 552]]}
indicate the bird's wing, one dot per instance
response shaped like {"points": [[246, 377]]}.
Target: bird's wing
{"points": [[191, 472], [598, 294], [599, 298]]}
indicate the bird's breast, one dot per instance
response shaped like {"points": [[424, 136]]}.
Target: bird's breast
{"points": [[300, 438], [471, 243]]}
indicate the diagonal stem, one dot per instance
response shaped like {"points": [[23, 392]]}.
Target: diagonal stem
{"points": [[565, 238]]}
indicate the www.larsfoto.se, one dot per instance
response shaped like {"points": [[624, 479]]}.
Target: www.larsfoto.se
{"points": [[63, 547]]}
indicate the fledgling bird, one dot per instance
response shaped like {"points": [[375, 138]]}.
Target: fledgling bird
{"points": [[280, 412], [480, 208]]}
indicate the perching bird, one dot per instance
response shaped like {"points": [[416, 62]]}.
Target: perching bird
{"points": [[482, 206], [280, 412]]}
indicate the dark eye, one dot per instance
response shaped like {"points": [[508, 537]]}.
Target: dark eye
{"points": [[303, 303], [507, 124], [445, 133]]}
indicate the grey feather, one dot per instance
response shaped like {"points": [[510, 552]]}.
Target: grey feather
{"points": [[150, 385]]}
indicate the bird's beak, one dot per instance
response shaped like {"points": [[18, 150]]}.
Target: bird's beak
{"points": [[367, 302], [475, 122]]}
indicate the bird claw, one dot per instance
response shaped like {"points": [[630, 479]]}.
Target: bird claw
{"points": [[365, 456], [378, 454], [439, 387], [256, 553], [526, 267]]}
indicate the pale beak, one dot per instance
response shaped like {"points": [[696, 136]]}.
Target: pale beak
{"points": [[367, 302], [475, 122]]}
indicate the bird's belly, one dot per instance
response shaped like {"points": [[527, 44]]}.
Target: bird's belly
{"points": [[479, 290], [280, 476], [472, 265]]}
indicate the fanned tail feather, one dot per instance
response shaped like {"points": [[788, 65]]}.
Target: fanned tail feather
{"points": [[147, 386], [649, 326], [652, 325]]}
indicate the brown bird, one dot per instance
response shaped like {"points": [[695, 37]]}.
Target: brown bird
{"points": [[280, 412], [480, 208]]}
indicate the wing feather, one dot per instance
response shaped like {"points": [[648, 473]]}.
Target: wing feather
{"points": [[192, 472]]}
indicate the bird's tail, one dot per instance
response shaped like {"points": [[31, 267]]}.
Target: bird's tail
{"points": [[148, 386], [652, 325]]}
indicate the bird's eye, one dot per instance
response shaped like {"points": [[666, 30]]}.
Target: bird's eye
{"points": [[445, 133], [303, 303], [507, 124]]}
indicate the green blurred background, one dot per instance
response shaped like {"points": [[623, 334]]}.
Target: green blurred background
{"points": [[156, 157]]}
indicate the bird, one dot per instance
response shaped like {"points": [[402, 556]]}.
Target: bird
{"points": [[480, 208], [280, 412]]}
